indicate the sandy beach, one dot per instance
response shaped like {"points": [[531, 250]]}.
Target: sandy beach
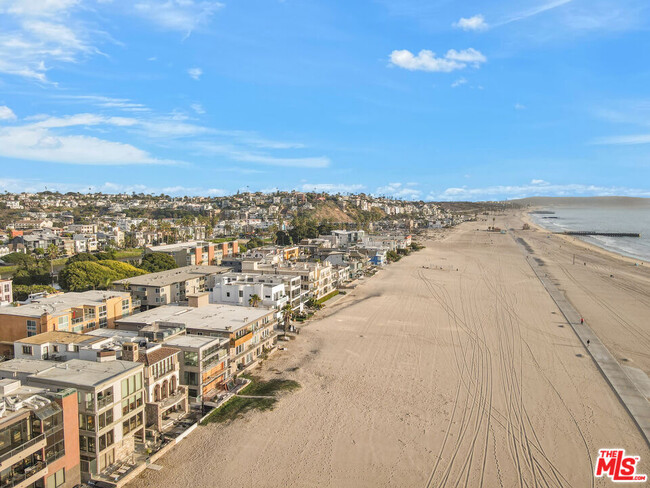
{"points": [[452, 367]]}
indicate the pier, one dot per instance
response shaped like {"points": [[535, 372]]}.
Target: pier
{"points": [[594, 233]]}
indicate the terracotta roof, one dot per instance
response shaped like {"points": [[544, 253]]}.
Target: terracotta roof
{"points": [[156, 355]]}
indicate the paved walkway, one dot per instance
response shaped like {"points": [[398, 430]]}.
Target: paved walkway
{"points": [[632, 399]]}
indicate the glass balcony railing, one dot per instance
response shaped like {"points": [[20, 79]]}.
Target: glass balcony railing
{"points": [[33, 441]]}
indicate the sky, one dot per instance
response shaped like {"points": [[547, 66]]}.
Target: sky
{"points": [[420, 100]]}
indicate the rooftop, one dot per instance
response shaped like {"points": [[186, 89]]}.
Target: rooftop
{"points": [[61, 337], [61, 303], [175, 247], [164, 278], [155, 354], [86, 373], [218, 317], [195, 341]]}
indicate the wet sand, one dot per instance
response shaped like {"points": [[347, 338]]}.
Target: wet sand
{"points": [[452, 367]]}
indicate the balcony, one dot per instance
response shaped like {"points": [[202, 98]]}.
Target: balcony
{"points": [[31, 474], [22, 451], [241, 340]]}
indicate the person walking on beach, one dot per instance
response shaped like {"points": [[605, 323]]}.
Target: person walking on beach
{"points": [[582, 321], [588, 342]]}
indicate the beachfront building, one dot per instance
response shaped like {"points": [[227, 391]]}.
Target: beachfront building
{"points": [[110, 402], [253, 289], [39, 437], [59, 346], [165, 398], [171, 286], [68, 312], [197, 252], [249, 329], [203, 364], [315, 278]]}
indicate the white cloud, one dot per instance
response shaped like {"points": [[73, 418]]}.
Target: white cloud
{"points": [[519, 106], [6, 113], [331, 188], [428, 61], [106, 102], [177, 15], [195, 73], [36, 8], [538, 182], [399, 190], [38, 143], [627, 140], [476, 23], [459, 82], [309, 162], [15, 185], [534, 11], [80, 119], [535, 188], [41, 34], [198, 108]]}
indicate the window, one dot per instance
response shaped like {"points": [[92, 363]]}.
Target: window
{"points": [[106, 440], [63, 323], [106, 418], [57, 479], [87, 443], [86, 422], [239, 349], [31, 328], [191, 378], [27, 350], [241, 293], [190, 358]]}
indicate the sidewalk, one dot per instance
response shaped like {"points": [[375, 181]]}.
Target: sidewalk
{"points": [[632, 399]]}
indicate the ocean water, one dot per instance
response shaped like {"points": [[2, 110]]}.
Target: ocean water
{"points": [[603, 219]]}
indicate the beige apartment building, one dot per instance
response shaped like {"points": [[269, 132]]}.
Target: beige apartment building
{"points": [[249, 329], [165, 398], [197, 252], [68, 312], [171, 286]]}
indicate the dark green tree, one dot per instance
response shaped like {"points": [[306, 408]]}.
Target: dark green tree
{"points": [[157, 261]]}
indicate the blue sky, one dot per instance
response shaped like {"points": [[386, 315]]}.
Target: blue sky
{"points": [[436, 100]]}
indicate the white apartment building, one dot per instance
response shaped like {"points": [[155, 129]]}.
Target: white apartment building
{"points": [[315, 278], [238, 288]]}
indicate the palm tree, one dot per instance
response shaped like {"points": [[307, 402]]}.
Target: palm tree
{"points": [[287, 315], [254, 300]]}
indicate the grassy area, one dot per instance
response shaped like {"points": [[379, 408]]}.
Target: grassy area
{"points": [[223, 239], [327, 297], [128, 253], [268, 388], [8, 271], [237, 406]]}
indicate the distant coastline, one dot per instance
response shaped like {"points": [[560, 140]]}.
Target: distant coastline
{"points": [[600, 217]]}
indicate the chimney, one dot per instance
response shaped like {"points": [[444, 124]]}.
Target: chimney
{"points": [[130, 351], [198, 300]]}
